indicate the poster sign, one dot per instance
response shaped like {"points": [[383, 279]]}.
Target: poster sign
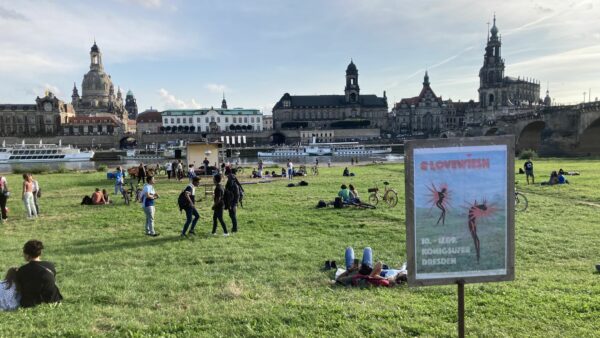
{"points": [[460, 210]]}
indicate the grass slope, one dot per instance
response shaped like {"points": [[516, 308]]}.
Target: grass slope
{"points": [[266, 281]]}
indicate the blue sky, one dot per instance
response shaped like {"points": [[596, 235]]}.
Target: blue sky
{"points": [[186, 53]]}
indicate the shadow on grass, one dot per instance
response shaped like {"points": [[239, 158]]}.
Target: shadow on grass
{"points": [[94, 247]]}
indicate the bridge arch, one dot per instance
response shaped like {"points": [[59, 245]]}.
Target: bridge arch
{"points": [[530, 136], [127, 142], [589, 140], [277, 138]]}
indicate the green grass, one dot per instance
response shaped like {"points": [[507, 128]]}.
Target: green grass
{"points": [[267, 280]]}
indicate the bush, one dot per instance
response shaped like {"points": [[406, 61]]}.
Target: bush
{"points": [[527, 154], [61, 169], [38, 169], [102, 168], [18, 169]]}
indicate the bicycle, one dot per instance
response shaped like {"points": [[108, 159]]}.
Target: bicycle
{"points": [[521, 202], [390, 196], [315, 170]]}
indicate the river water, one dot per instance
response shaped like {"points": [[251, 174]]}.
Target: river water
{"points": [[245, 161]]}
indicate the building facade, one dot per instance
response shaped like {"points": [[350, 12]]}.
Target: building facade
{"points": [[149, 122], [268, 122], [497, 90], [44, 118], [348, 111], [213, 120], [93, 125], [426, 114], [98, 95]]}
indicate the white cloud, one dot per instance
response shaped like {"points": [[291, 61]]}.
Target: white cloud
{"points": [[216, 88], [171, 102], [11, 14]]}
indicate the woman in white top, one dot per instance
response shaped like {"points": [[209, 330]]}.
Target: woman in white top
{"points": [[36, 194], [9, 296]]}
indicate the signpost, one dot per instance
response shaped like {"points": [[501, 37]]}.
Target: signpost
{"points": [[460, 212]]}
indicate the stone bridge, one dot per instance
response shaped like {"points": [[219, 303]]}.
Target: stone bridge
{"points": [[553, 131]]}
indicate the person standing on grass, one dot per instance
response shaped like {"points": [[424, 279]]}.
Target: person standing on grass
{"points": [[37, 194], [290, 169], [4, 193], [206, 163], [119, 181], [148, 197], [233, 196], [169, 168], [37, 278], [218, 205], [141, 173], [27, 196], [260, 168], [529, 171], [189, 205], [179, 170]]}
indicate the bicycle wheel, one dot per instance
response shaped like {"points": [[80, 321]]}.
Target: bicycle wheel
{"points": [[521, 202], [391, 198], [239, 170], [373, 199]]}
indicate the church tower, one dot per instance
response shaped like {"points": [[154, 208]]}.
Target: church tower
{"points": [[96, 58], [131, 105], [491, 73], [75, 96], [224, 102], [352, 89]]}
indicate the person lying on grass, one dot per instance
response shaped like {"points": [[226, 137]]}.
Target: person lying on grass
{"points": [[365, 274]]}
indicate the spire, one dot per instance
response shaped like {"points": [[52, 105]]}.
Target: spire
{"points": [[426, 79], [494, 29], [224, 102]]}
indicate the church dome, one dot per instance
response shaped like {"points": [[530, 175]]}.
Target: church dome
{"points": [[351, 70]]}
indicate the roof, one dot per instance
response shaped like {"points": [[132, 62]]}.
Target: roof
{"points": [[94, 119], [95, 48], [332, 101], [129, 93], [220, 111], [149, 116], [415, 100], [351, 70]]}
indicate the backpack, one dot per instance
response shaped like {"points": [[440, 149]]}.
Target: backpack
{"points": [[303, 183], [321, 204], [234, 193], [338, 203], [182, 200]]}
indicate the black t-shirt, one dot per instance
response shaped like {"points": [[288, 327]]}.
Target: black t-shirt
{"points": [[528, 166], [37, 284]]}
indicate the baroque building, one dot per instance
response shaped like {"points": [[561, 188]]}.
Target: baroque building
{"points": [[426, 114], [352, 110], [44, 118], [131, 105], [98, 97], [213, 120], [497, 90]]}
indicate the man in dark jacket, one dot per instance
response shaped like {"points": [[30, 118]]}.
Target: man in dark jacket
{"points": [[219, 205], [36, 279]]}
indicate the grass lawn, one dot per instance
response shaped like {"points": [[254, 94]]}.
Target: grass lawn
{"points": [[267, 281]]}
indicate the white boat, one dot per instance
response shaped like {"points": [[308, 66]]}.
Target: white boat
{"points": [[318, 149], [32, 153], [355, 149], [284, 152]]}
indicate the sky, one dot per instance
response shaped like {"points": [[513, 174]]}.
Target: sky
{"points": [[186, 54]]}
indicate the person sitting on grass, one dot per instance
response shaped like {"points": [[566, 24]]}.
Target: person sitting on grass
{"points": [[562, 179], [36, 279], [346, 172], [9, 291], [98, 198], [105, 195], [553, 179], [344, 193], [354, 198]]}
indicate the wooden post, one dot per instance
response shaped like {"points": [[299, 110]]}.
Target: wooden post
{"points": [[461, 309]]}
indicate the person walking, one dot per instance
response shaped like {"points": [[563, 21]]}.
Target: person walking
{"points": [[27, 196], [169, 168], [218, 205], [141, 173], [4, 193], [233, 192], [290, 169], [149, 195], [179, 170], [37, 194], [189, 205]]}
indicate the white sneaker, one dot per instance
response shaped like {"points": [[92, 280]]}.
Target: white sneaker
{"points": [[226, 234], [214, 233]]}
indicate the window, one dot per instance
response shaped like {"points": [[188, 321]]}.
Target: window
{"points": [[206, 119], [218, 120], [212, 119], [234, 120], [198, 120], [191, 120], [227, 120], [286, 104], [258, 120], [245, 120], [178, 120]]}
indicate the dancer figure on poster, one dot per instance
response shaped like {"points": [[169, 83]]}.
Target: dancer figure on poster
{"points": [[478, 211], [441, 199]]}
